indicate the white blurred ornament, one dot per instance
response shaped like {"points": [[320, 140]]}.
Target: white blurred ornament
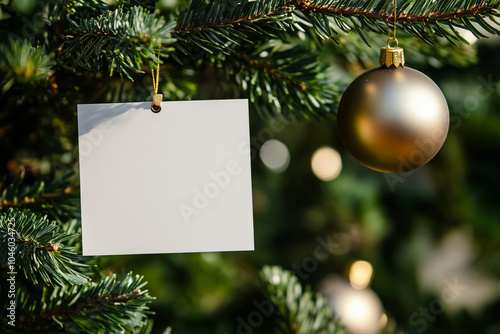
{"points": [[449, 270], [360, 310]]}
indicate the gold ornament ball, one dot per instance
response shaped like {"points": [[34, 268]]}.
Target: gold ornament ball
{"points": [[393, 120]]}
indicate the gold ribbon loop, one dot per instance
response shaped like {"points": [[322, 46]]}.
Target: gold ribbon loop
{"points": [[157, 98]]}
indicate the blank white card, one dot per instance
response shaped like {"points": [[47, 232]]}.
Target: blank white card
{"points": [[174, 181]]}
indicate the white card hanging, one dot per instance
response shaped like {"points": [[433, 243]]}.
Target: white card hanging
{"points": [[174, 181]]}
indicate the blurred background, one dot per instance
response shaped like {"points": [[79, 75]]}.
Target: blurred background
{"points": [[415, 253], [425, 244]]}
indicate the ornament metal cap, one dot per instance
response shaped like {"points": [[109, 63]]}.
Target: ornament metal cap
{"points": [[392, 55]]}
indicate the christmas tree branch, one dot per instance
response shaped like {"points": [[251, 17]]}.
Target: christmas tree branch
{"points": [[38, 198], [37, 247], [276, 73], [300, 312], [483, 8], [111, 305], [123, 39], [422, 19], [196, 26], [59, 198], [285, 81], [221, 24], [22, 63]]}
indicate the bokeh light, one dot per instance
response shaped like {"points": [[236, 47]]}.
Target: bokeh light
{"points": [[383, 320], [326, 163], [360, 274], [360, 310], [275, 155]]}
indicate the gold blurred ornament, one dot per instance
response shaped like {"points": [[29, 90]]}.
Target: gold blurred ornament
{"points": [[393, 119]]}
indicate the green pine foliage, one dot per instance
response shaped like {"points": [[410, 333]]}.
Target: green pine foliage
{"points": [[422, 19], [223, 25], [124, 39], [23, 63], [59, 198], [111, 305], [39, 249], [270, 71], [300, 311]]}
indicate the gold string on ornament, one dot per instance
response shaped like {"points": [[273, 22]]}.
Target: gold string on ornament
{"points": [[157, 98], [393, 38], [392, 55]]}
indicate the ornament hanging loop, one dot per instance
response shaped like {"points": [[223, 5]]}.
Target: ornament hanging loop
{"points": [[157, 98], [389, 42]]}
